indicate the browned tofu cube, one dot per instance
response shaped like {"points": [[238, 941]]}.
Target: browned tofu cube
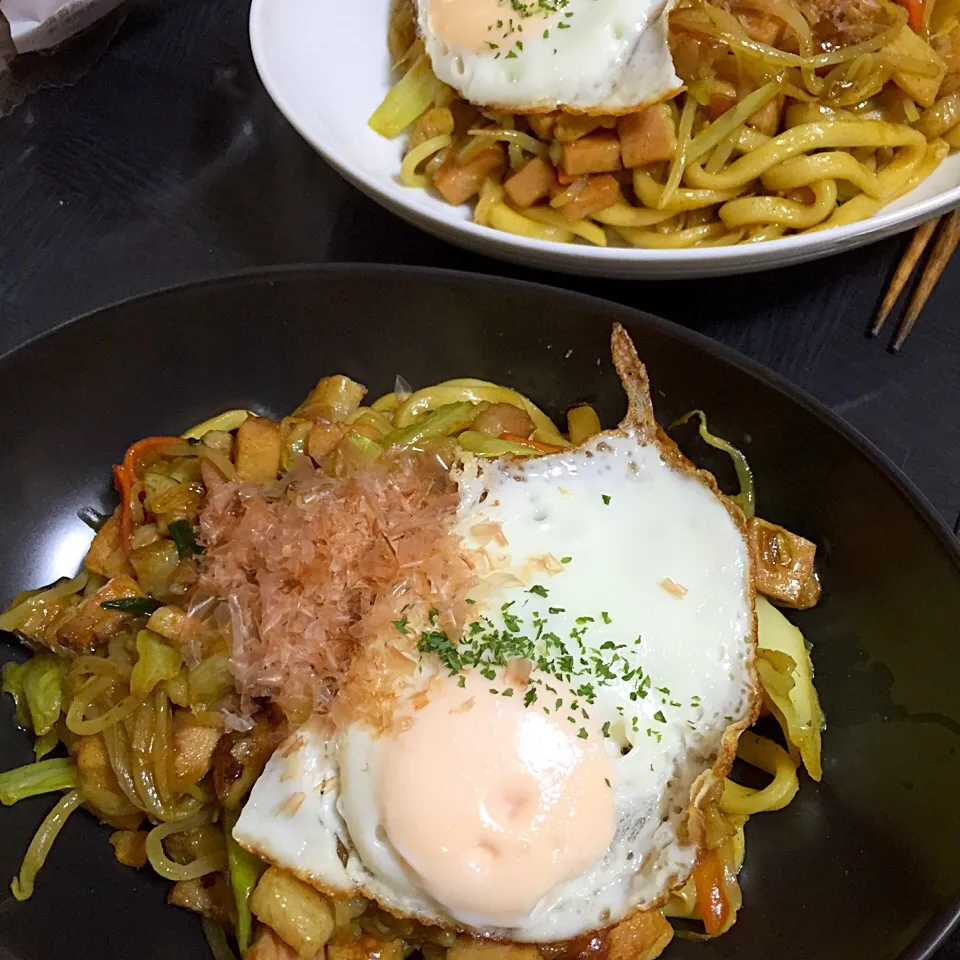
{"points": [[130, 847], [648, 137], [105, 544], [193, 747], [782, 563], [93, 625], [300, 915], [644, 936], [258, 449], [760, 28], [542, 124]]}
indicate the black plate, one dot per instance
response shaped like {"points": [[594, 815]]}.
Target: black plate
{"points": [[865, 866]]}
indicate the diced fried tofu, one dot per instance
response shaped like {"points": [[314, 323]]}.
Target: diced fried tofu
{"points": [[268, 946], [503, 418], [366, 948], [97, 778], [105, 545], [258, 449], [433, 123], [531, 183], [458, 182], [600, 192], [570, 127], [93, 625], [542, 124], [596, 153], [332, 400], [644, 936], [130, 847], [948, 49], [648, 137], [760, 28], [296, 912], [210, 896], [193, 747], [922, 89], [782, 562], [240, 756], [467, 948], [323, 438]]}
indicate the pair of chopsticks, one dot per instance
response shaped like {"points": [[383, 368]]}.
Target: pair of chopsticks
{"points": [[948, 236]]}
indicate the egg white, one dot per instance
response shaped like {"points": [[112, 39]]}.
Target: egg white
{"points": [[660, 568], [594, 56]]}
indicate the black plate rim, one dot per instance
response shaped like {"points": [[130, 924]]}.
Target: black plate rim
{"points": [[938, 929]]}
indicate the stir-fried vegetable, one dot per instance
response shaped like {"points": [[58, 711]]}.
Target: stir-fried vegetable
{"points": [[156, 662], [143, 606], [22, 886], [245, 871], [41, 681], [34, 779], [746, 498]]}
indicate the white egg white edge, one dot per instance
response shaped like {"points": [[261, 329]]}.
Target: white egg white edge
{"points": [[650, 54], [308, 765]]}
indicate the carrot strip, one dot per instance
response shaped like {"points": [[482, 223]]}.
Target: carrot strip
{"points": [[915, 9], [533, 444], [125, 476], [712, 902]]}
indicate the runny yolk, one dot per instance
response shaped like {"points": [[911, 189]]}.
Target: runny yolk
{"points": [[493, 803]]}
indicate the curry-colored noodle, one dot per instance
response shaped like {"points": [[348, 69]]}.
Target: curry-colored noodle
{"points": [[795, 116], [131, 673]]}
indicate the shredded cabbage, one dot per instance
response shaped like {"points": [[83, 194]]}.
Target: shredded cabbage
{"points": [[33, 779], [746, 498], [157, 661], [796, 707]]}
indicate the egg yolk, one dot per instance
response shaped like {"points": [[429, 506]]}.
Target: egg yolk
{"points": [[476, 25], [492, 803]]}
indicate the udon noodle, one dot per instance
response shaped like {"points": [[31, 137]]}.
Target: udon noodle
{"points": [[129, 685], [796, 116]]}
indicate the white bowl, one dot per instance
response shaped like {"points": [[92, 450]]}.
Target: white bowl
{"points": [[325, 64]]}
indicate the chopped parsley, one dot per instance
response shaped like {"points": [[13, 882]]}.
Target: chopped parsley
{"points": [[401, 624], [539, 590], [603, 496], [605, 616], [659, 717], [565, 559], [582, 733]]}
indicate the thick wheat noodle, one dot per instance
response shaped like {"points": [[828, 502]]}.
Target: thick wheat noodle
{"points": [[904, 172], [408, 168], [180, 871], [86, 697], [679, 240], [806, 170], [749, 211], [650, 193], [803, 139]]}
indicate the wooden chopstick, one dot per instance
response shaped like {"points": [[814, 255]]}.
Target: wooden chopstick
{"points": [[948, 237]]}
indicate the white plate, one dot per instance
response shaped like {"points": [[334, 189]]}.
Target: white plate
{"points": [[325, 64]]}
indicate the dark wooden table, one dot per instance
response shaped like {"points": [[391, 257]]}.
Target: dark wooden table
{"points": [[168, 163]]}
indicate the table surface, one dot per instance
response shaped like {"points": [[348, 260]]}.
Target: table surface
{"points": [[168, 163]]}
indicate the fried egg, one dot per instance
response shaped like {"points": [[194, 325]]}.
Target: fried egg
{"points": [[594, 56], [543, 776]]}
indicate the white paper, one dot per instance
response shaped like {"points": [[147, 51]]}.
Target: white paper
{"points": [[39, 24]]}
